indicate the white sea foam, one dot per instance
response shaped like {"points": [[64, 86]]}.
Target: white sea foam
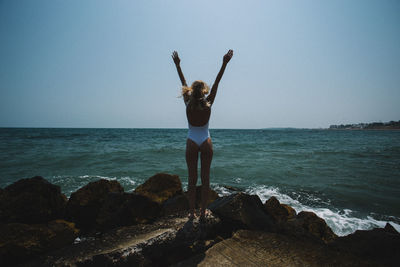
{"points": [[97, 177], [70, 184], [238, 180], [221, 190], [127, 180], [341, 222]]}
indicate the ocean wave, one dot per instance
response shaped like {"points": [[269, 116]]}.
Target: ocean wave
{"points": [[342, 222], [70, 184], [238, 180], [97, 177], [221, 190]]}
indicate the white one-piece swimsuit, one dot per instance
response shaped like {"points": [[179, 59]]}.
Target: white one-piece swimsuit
{"points": [[198, 134]]}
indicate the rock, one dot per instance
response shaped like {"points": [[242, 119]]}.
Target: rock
{"points": [[279, 212], [160, 187], [380, 245], [180, 203], [232, 188], [390, 229], [174, 246], [255, 248], [212, 195], [20, 242], [122, 209], [242, 211], [32, 200], [84, 204], [164, 242], [309, 224], [176, 204]]}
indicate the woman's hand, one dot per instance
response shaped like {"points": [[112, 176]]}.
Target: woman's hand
{"points": [[228, 56], [176, 58], [177, 62]]}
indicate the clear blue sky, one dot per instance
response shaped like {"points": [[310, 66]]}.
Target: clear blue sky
{"points": [[107, 63]]}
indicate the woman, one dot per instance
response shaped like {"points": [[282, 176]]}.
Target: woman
{"points": [[198, 111]]}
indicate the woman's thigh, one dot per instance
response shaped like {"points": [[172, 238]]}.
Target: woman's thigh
{"points": [[192, 155], [206, 150]]}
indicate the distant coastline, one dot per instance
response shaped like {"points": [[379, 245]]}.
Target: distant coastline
{"points": [[391, 125]]}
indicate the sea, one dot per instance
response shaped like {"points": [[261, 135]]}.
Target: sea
{"points": [[350, 178]]}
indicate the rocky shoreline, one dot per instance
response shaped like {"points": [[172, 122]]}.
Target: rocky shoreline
{"points": [[101, 225]]}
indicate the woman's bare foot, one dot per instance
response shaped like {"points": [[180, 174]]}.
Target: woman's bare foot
{"points": [[193, 215], [203, 214]]}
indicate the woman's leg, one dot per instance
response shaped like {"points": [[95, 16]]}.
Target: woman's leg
{"points": [[206, 150], [192, 155]]}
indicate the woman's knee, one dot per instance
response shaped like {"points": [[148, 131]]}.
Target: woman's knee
{"points": [[211, 152]]}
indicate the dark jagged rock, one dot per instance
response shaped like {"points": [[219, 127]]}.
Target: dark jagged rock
{"points": [[160, 187], [20, 242], [122, 209], [176, 204], [232, 188], [309, 224], [242, 211], [277, 236], [279, 212], [390, 229], [167, 241], [32, 200], [380, 245], [180, 202], [84, 204], [212, 195]]}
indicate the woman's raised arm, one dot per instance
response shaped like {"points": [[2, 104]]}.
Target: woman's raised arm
{"points": [[214, 88], [177, 62]]}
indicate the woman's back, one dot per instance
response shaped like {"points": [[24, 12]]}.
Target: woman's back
{"points": [[198, 117]]}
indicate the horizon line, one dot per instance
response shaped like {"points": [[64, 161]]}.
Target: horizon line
{"points": [[172, 128]]}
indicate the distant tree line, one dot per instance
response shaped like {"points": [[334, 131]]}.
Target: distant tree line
{"points": [[366, 126]]}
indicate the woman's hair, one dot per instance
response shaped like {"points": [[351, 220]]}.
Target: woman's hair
{"points": [[194, 95]]}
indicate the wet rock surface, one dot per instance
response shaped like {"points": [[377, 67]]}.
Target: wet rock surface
{"points": [[32, 200]]}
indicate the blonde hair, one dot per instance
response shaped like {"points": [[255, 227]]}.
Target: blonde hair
{"points": [[194, 95]]}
